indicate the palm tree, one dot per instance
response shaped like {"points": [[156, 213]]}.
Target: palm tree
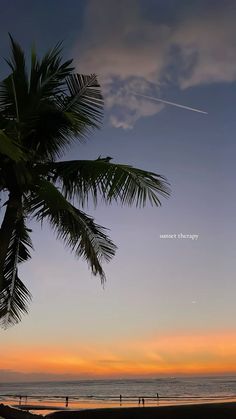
{"points": [[43, 111]]}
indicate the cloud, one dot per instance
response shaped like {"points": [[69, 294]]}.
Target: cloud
{"points": [[127, 45], [110, 49], [128, 108], [212, 42]]}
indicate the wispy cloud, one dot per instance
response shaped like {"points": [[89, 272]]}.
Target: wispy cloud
{"points": [[128, 48]]}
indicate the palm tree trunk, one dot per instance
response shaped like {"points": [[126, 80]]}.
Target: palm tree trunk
{"points": [[13, 208]]}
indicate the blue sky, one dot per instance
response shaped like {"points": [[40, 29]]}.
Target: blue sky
{"points": [[182, 51]]}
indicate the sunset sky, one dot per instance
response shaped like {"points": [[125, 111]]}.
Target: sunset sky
{"points": [[168, 306]]}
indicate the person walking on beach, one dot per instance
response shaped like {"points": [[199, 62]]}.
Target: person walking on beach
{"points": [[143, 402], [67, 401]]}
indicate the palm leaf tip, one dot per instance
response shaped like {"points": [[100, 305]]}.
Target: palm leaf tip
{"points": [[18, 57], [94, 245], [85, 103], [75, 228], [15, 297], [13, 303]]}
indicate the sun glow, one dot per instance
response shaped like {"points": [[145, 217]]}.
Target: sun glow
{"points": [[212, 353]]}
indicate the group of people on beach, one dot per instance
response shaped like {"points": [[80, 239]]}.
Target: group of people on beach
{"points": [[140, 400]]}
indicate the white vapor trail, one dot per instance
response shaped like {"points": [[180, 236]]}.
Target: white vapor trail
{"points": [[170, 103]]}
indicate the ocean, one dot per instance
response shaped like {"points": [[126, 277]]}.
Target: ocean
{"points": [[106, 393]]}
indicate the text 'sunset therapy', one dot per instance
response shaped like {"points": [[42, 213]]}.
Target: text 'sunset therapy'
{"points": [[179, 236]]}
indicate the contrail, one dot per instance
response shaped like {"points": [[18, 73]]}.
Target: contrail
{"points": [[170, 103]]}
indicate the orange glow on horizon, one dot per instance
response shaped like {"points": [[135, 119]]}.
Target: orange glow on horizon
{"points": [[212, 353]]}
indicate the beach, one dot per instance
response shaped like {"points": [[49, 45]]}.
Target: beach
{"points": [[199, 411], [185, 396]]}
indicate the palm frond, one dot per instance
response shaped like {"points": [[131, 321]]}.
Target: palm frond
{"points": [[85, 103], [93, 178], [10, 148], [17, 62], [74, 227], [13, 303], [14, 88], [14, 297], [7, 101], [19, 76], [48, 76], [51, 107], [50, 134], [55, 122]]}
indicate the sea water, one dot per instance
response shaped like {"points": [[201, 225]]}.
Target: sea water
{"points": [[122, 392]]}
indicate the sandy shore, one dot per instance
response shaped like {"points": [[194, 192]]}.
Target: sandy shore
{"points": [[199, 411]]}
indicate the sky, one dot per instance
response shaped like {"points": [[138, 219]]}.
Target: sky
{"points": [[168, 306]]}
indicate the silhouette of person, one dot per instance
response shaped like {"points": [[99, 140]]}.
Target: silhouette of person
{"points": [[139, 400], [67, 401], [143, 402]]}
